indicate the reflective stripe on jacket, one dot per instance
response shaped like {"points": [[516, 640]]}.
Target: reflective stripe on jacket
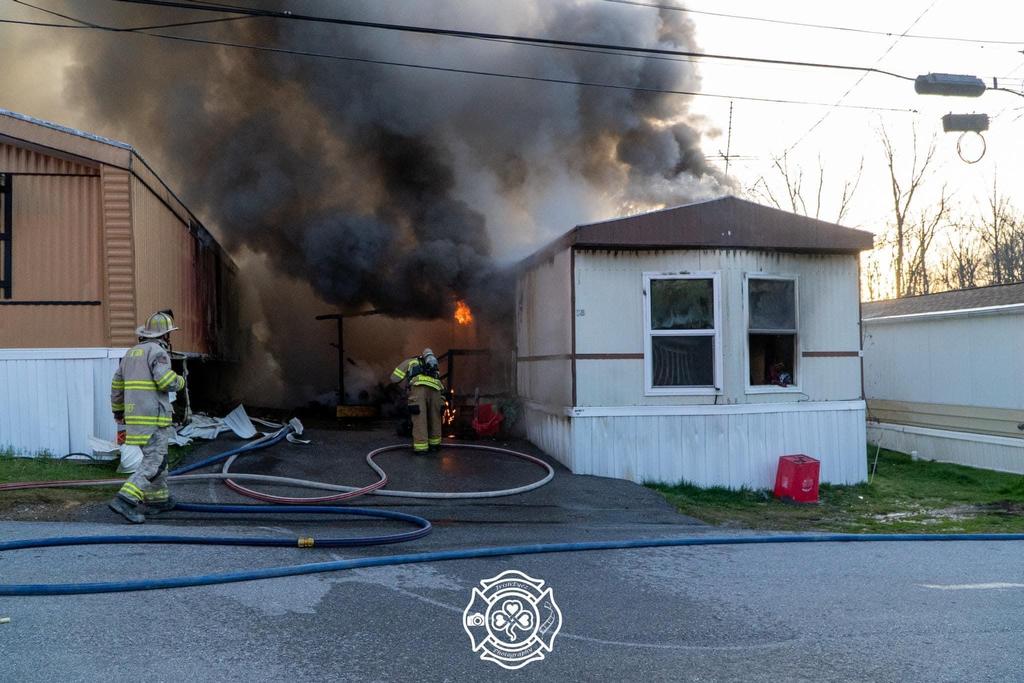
{"points": [[410, 367], [140, 389]]}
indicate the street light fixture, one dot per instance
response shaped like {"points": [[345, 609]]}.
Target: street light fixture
{"points": [[966, 123], [952, 85]]}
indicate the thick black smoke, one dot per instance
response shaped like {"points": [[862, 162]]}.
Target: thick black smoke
{"points": [[386, 186]]}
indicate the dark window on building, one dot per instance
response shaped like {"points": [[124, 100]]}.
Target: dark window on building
{"points": [[6, 244], [683, 333], [772, 331]]}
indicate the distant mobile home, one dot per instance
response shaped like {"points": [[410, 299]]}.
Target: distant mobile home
{"points": [[944, 376], [695, 343], [91, 243]]}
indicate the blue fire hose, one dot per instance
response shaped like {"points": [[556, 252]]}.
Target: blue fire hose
{"points": [[422, 525], [388, 560]]}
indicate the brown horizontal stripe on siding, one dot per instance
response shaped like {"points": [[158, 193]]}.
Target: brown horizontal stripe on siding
{"points": [[583, 356], [58, 175], [51, 303], [830, 354]]}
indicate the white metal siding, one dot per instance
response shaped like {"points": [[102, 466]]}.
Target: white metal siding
{"points": [[949, 371], [967, 360], [544, 328], [52, 400], [993, 453], [609, 319], [551, 433], [733, 449]]}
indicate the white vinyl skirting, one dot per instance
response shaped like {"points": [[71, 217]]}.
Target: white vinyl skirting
{"points": [[1001, 453], [52, 400], [733, 446]]}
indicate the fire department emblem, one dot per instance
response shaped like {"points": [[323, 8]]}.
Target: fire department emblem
{"points": [[511, 620]]}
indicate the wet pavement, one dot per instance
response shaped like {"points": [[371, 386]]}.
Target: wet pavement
{"points": [[821, 612], [338, 456]]}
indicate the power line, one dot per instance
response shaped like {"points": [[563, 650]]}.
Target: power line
{"points": [[686, 60], [478, 35], [802, 24], [428, 67], [128, 29], [878, 61]]}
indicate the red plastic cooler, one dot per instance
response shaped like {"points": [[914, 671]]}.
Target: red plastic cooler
{"points": [[797, 479]]}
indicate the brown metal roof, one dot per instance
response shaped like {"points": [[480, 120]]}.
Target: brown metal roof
{"points": [[723, 223], [958, 300]]}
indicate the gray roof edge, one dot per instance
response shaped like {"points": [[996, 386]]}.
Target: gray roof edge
{"points": [[918, 303], [66, 129]]}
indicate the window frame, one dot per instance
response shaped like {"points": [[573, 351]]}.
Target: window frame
{"points": [[749, 388], [715, 334]]}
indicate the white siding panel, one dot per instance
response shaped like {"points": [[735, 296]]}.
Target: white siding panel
{"points": [[54, 404], [733, 450], [550, 433], [547, 382], [543, 324], [959, 361], [973, 450], [609, 302]]}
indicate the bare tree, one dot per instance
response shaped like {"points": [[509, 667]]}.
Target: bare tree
{"points": [[1002, 233], [921, 232], [908, 258], [961, 266], [791, 196], [871, 278]]}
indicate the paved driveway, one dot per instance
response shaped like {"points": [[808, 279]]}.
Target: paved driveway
{"points": [[896, 611]]}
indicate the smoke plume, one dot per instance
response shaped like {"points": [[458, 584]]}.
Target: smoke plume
{"points": [[347, 185], [399, 188]]}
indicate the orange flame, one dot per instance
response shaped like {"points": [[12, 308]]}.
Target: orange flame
{"points": [[463, 315]]}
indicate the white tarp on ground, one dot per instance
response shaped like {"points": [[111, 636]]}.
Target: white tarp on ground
{"points": [[209, 428], [201, 427]]}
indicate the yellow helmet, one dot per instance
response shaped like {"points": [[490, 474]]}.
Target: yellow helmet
{"points": [[157, 325]]}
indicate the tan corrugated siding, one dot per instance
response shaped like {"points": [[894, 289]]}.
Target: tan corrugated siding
{"points": [[14, 159], [119, 257], [56, 257], [956, 418], [167, 269]]}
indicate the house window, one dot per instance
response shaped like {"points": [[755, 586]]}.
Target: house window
{"points": [[772, 330], [6, 254], [683, 349]]}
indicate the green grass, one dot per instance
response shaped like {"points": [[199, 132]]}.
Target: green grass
{"points": [[45, 467], [904, 496]]}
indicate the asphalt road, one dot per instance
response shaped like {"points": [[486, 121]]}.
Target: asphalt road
{"points": [[843, 612]]}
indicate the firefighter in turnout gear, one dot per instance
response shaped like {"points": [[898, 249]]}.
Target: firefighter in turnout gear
{"points": [[140, 399], [426, 399]]}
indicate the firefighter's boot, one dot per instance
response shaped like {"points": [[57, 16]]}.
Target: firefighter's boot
{"points": [[127, 509]]}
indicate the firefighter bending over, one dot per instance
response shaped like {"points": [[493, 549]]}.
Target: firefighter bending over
{"points": [[426, 399], [139, 397]]}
